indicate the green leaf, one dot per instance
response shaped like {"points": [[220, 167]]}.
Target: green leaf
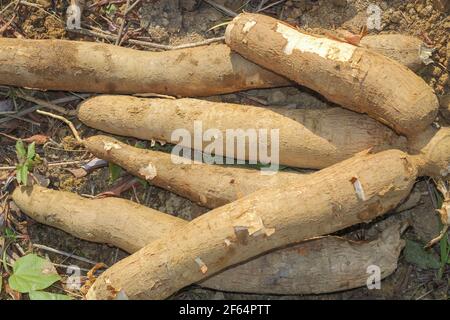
{"points": [[18, 175], [20, 150], [42, 295], [31, 273], [10, 234], [114, 171], [31, 151], [111, 9], [417, 255], [24, 174], [140, 144]]}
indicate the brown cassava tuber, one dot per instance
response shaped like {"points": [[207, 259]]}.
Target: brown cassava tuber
{"points": [[208, 185], [352, 191], [307, 138], [342, 264], [102, 68], [359, 79]]}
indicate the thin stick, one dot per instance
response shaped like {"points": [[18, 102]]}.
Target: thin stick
{"points": [[271, 5], [122, 25], [7, 7], [132, 6], [42, 103], [261, 4], [36, 107], [222, 8], [69, 123], [63, 253], [154, 95], [108, 37], [51, 164]]}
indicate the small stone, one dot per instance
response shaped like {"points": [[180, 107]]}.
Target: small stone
{"points": [[277, 97]]}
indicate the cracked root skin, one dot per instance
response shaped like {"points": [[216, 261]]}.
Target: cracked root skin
{"points": [[208, 185], [93, 67], [292, 270], [308, 138], [322, 203], [356, 78]]}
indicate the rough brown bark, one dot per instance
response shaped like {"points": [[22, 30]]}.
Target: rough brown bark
{"points": [[353, 191], [356, 78], [342, 264], [208, 185], [102, 68], [307, 138]]}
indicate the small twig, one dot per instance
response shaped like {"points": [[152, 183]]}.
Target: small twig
{"points": [[271, 5], [40, 8], [63, 253], [122, 25], [36, 107], [67, 266], [261, 4], [154, 95], [6, 7], [69, 123], [7, 24], [132, 6], [222, 8], [42, 103], [108, 37], [438, 238], [51, 164]]}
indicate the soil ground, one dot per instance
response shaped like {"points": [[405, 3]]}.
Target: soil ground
{"points": [[175, 22]]}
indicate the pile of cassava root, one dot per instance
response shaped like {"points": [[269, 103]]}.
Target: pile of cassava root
{"points": [[264, 233]]}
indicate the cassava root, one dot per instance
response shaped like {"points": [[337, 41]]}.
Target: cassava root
{"points": [[207, 185], [102, 68], [210, 186], [353, 191], [130, 226], [311, 139], [356, 78]]}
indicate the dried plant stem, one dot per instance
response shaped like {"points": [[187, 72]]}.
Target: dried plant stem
{"points": [[69, 123]]}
